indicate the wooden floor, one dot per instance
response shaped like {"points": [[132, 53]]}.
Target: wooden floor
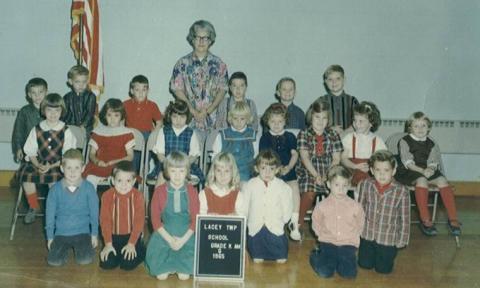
{"points": [[426, 262]]}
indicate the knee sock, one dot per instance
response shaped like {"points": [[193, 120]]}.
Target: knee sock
{"points": [[306, 202], [421, 197], [32, 200], [449, 202]]}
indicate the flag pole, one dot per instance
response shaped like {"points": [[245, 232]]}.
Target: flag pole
{"points": [[80, 41]]}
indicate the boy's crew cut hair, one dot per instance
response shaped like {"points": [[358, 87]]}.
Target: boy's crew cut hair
{"points": [[76, 71], [333, 68], [141, 79], [72, 154], [125, 166]]}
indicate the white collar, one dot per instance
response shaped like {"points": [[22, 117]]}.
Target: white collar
{"points": [[418, 139], [44, 126], [241, 130], [179, 131], [276, 134], [103, 130]]}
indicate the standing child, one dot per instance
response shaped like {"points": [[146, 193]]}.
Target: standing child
{"points": [[28, 116], [319, 147], [341, 104], [110, 143], [362, 143], [420, 160], [44, 147], [238, 139], [122, 217], [141, 113], [72, 214], [284, 144], [387, 215], [237, 85], [337, 222], [176, 135], [269, 208], [81, 103], [221, 194], [285, 92], [174, 209]]}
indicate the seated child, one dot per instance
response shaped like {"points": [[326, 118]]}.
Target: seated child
{"points": [[122, 217], [285, 92], [28, 116], [141, 113], [221, 194], [237, 87], [419, 165], [44, 147], [110, 143], [341, 104], [284, 144], [238, 139], [81, 103], [360, 145], [337, 222], [176, 135], [319, 147], [387, 215], [269, 208], [174, 208], [71, 214]]}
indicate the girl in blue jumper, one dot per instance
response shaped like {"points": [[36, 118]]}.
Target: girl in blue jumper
{"points": [[238, 139], [176, 135]]}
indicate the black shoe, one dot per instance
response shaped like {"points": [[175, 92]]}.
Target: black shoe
{"points": [[428, 230], [455, 230]]}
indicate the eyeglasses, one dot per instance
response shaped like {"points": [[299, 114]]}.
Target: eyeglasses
{"points": [[202, 39]]}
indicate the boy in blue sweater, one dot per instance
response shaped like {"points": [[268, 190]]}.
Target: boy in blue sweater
{"points": [[72, 214]]}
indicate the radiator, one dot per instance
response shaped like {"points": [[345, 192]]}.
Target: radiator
{"points": [[453, 136]]}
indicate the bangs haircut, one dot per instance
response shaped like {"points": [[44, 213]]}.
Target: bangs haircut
{"points": [[72, 154], [419, 115], [224, 159], [114, 105], [274, 109], [339, 171], [318, 106], [269, 158], [124, 166], [372, 113], [176, 159], [240, 109], [77, 70], [333, 68], [178, 107], [382, 156], [53, 100]]}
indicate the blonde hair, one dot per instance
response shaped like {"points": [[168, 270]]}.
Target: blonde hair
{"points": [[338, 171], [240, 109], [72, 154], [419, 115], [176, 159], [225, 159]]}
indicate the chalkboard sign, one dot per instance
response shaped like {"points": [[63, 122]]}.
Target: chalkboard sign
{"points": [[220, 248]]}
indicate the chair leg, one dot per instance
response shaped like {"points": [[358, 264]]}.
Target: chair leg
{"points": [[15, 212], [435, 203]]}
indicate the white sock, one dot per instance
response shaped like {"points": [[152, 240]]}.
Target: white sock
{"points": [[294, 220]]}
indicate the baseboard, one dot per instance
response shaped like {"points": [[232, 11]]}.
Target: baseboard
{"points": [[462, 188]]}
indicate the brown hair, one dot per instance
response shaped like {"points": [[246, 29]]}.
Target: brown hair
{"points": [[53, 100], [382, 156], [317, 107], [372, 113], [116, 105], [274, 109], [419, 115]]}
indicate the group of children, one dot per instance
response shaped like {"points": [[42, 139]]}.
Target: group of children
{"points": [[326, 151]]}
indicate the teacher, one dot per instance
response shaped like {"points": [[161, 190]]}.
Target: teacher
{"points": [[200, 78]]}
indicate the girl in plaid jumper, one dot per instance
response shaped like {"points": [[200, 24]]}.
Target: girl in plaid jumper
{"points": [[319, 148]]}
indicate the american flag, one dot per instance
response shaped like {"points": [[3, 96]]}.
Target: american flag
{"points": [[91, 54]]}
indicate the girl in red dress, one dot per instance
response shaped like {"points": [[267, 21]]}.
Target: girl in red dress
{"points": [[109, 143]]}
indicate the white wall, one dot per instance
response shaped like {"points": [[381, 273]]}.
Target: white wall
{"points": [[403, 55]]}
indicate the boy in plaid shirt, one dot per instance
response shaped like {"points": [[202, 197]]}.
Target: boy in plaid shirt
{"points": [[387, 215]]}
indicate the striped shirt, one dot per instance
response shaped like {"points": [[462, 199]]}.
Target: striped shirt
{"points": [[122, 214], [387, 215]]}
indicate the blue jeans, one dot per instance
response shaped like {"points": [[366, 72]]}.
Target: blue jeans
{"points": [[328, 258], [82, 247]]}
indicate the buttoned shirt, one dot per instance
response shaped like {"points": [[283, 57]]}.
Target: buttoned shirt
{"points": [[387, 214], [363, 144], [267, 204]]}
